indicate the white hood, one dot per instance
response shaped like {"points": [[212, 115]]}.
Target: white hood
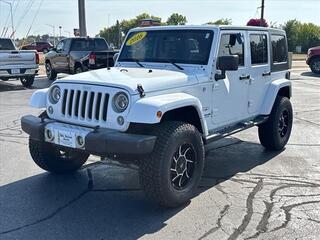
{"points": [[129, 78]]}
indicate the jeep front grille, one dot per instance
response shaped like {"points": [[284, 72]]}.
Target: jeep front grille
{"points": [[85, 105]]}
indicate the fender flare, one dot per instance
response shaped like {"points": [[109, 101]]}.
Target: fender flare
{"points": [[145, 109], [39, 98], [272, 93]]}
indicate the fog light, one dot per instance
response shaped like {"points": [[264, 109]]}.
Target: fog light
{"points": [[49, 135], [50, 110], [80, 141], [120, 120]]}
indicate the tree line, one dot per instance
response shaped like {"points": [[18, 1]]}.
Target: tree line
{"points": [[301, 34]]}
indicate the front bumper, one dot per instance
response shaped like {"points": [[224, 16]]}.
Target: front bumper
{"points": [[100, 142]]}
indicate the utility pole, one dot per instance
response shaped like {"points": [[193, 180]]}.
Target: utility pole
{"points": [[82, 18], [262, 11]]}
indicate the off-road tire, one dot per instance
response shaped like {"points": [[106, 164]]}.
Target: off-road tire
{"points": [[154, 170], [314, 65], [27, 81], [270, 134], [51, 73], [49, 158]]}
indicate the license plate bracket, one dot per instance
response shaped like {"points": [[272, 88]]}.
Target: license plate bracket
{"points": [[15, 71]]}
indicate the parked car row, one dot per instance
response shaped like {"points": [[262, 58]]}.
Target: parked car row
{"points": [[38, 46]]}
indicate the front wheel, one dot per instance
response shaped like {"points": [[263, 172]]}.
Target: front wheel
{"points": [[275, 133], [315, 65], [51, 73], [27, 81], [55, 160], [170, 175]]}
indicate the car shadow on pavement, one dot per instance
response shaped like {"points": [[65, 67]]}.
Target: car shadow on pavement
{"points": [[310, 74], [106, 202], [15, 85]]}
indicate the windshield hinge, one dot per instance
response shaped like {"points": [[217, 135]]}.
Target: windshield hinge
{"points": [[141, 90]]}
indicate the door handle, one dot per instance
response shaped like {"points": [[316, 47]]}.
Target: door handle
{"points": [[266, 74], [244, 77]]}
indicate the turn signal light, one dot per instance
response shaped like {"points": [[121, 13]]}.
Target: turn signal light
{"points": [[92, 59], [37, 58]]}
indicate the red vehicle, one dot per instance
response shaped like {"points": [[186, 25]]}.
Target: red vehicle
{"points": [[313, 59], [39, 46]]}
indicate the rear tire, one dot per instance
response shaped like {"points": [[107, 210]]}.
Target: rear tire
{"points": [[275, 133], [78, 70], [170, 175], [27, 81], [315, 65], [51, 73], [50, 158]]}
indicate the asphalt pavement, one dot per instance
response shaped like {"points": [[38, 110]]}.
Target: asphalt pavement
{"points": [[246, 192]]}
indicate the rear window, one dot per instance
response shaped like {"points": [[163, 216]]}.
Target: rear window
{"points": [[279, 48], [100, 44], [6, 44], [97, 44], [82, 45]]}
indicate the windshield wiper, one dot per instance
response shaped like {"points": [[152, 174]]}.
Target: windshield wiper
{"points": [[138, 62], [176, 65]]}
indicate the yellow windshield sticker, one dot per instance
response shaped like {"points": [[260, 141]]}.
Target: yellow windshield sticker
{"points": [[136, 38]]}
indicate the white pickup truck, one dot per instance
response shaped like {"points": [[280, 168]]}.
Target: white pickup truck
{"points": [[23, 64], [172, 90]]}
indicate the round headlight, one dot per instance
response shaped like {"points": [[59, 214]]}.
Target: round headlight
{"points": [[55, 94], [120, 102]]}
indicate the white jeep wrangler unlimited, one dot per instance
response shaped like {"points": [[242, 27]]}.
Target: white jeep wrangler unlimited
{"points": [[172, 90]]}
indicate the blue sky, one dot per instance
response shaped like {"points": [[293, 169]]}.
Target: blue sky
{"points": [[64, 12]]}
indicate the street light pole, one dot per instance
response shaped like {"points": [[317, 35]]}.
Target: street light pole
{"points": [[54, 33], [60, 27], [12, 26], [82, 18]]}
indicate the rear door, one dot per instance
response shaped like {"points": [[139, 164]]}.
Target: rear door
{"points": [[259, 69]]}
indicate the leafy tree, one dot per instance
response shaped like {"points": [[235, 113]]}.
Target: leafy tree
{"points": [[177, 19], [126, 25], [113, 35], [221, 21], [305, 35], [291, 28]]}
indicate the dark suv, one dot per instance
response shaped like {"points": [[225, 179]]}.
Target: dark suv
{"points": [[76, 55], [39, 46]]}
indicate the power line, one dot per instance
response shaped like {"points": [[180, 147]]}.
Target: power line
{"points": [[26, 11], [34, 18]]}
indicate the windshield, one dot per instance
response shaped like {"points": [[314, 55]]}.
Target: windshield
{"points": [[6, 44], [177, 46]]}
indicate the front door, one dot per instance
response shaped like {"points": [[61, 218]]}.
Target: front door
{"points": [[230, 95], [61, 58], [259, 69]]}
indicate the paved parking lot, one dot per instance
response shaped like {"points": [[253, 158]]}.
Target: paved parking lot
{"points": [[245, 193]]}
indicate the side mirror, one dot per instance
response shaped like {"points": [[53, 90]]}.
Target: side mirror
{"points": [[115, 57], [227, 63]]}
